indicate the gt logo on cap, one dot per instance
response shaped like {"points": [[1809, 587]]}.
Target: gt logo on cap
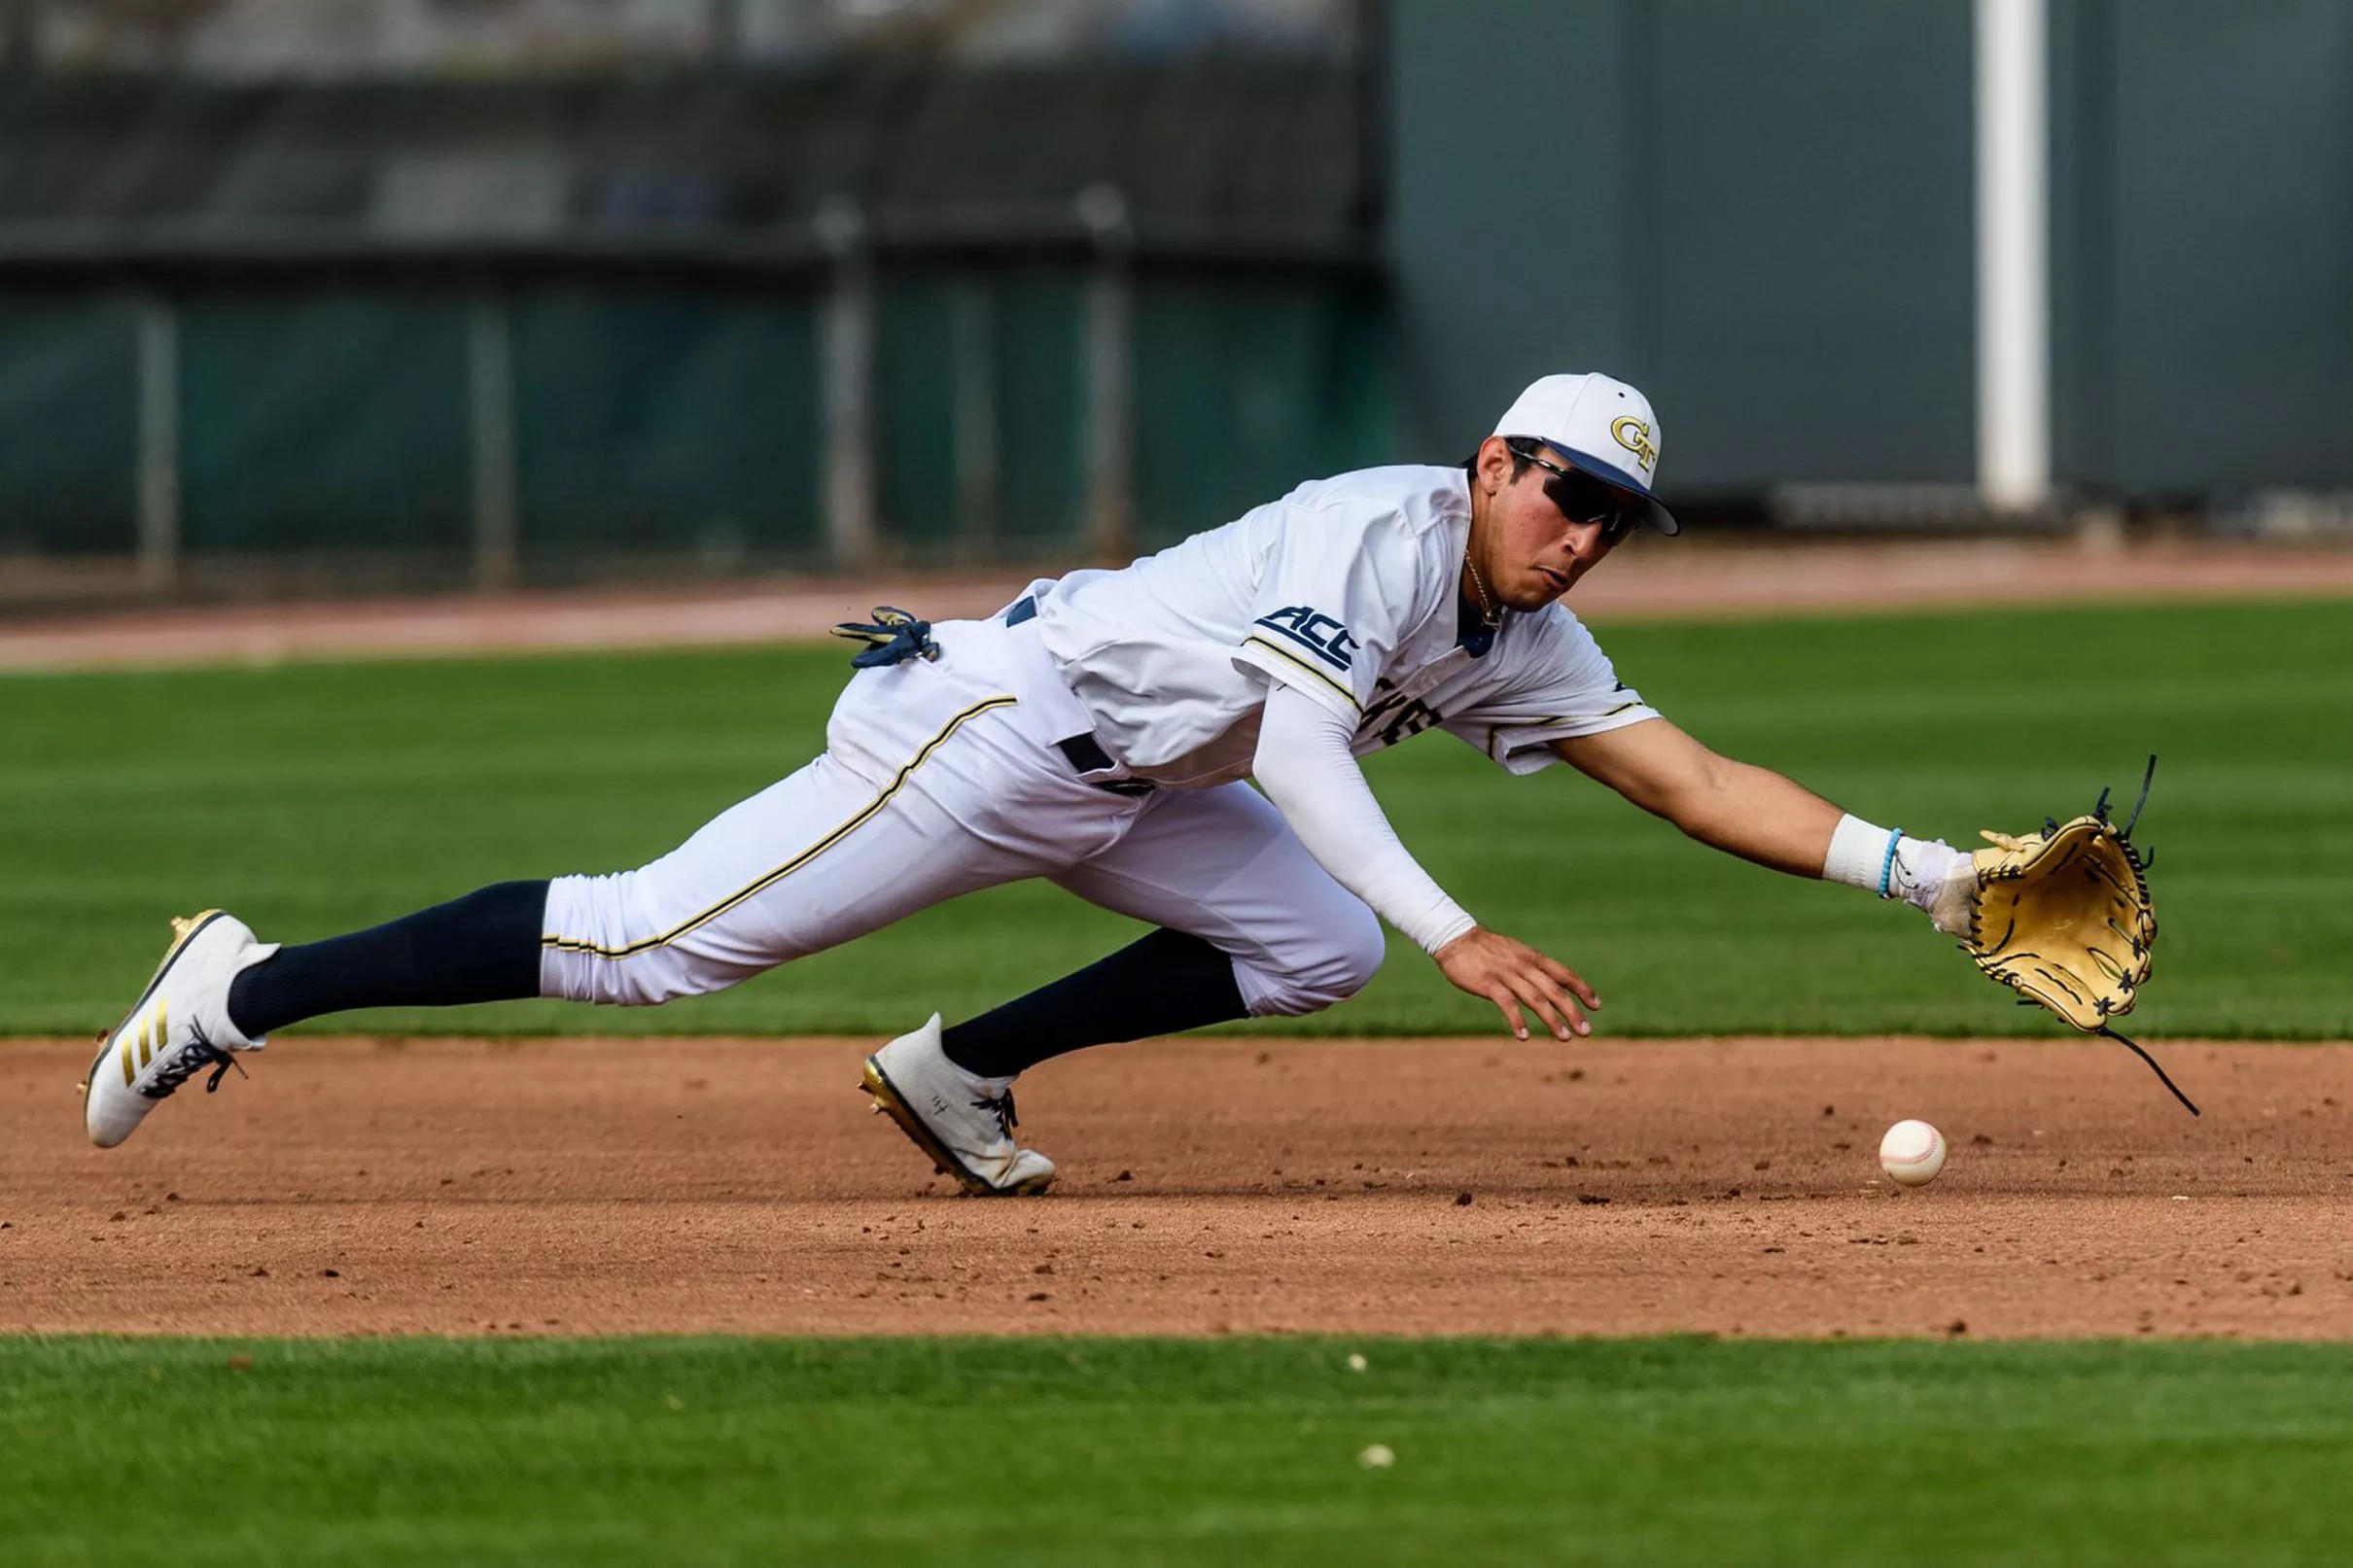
{"points": [[1635, 437]]}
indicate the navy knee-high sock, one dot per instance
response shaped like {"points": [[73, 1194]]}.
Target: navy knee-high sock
{"points": [[481, 947], [1163, 984]]}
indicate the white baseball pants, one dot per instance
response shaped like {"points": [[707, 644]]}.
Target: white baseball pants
{"points": [[940, 778]]}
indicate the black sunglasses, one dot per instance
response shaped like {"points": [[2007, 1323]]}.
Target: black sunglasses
{"points": [[1584, 498]]}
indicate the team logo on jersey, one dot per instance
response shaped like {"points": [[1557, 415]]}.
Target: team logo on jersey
{"points": [[1394, 716], [1635, 437], [1313, 630]]}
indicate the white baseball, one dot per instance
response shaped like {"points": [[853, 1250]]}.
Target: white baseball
{"points": [[1913, 1153]]}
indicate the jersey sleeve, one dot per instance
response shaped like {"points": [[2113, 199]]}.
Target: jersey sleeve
{"points": [[1338, 591], [1558, 685]]}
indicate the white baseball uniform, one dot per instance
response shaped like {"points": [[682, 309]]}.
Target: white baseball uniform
{"points": [[1096, 734]]}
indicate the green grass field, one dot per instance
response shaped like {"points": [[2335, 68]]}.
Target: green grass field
{"points": [[315, 799], [685, 1451]]}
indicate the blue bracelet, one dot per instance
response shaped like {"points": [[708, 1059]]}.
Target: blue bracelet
{"points": [[1887, 866]]}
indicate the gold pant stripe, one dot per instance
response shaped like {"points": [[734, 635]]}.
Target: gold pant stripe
{"points": [[579, 944]]}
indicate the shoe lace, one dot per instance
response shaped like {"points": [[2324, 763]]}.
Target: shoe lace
{"points": [[198, 1054], [1000, 1106]]}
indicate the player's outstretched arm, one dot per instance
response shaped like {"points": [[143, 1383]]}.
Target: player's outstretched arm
{"points": [[1767, 817], [1306, 768], [1736, 807]]}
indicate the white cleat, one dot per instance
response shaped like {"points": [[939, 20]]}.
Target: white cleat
{"points": [[178, 1027], [962, 1121]]}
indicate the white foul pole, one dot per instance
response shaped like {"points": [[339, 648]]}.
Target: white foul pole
{"points": [[2013, 255]]}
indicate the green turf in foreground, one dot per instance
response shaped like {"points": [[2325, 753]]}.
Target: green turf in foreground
{"points": [[1145, 1451], [314, 799]]}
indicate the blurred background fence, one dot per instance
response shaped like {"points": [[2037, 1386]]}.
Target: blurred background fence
{"points": [[409, 293], [1769, 212], [718, 294]]}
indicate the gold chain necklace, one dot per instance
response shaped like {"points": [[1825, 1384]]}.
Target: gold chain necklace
{"points": [[1492, 617]]}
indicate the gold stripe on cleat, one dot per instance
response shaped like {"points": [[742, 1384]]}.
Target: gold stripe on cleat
{"points": [[184, 928], [887, 1100]]}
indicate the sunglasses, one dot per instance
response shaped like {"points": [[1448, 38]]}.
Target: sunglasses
{"points": [[1584, 498]]}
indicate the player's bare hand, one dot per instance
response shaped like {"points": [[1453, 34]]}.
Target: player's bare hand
{"points": [[1514, 976]]}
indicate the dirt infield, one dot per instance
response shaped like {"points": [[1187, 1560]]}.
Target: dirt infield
{"points": [[583, 1187]]}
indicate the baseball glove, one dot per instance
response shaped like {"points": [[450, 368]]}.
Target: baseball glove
{"points": [[2063, 918]]}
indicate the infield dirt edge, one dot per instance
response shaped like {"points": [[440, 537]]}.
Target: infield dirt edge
{"points": [[1384, 1186]]}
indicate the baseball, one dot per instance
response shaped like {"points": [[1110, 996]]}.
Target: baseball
{"points": [[1913, 1153]]}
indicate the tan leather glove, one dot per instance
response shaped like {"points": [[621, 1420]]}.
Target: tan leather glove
{"points": [[2063, 918]]}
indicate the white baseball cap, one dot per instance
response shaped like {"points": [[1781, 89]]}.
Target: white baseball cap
{"points": [[1602, 427]]}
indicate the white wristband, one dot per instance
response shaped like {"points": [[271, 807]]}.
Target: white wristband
{"points": [[1881, 860], [1862, 854]]}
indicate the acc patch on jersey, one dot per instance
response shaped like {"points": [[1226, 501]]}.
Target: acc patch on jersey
{"points": [[1323, 636]]}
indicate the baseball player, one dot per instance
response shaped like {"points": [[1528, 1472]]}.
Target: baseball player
{"points": [[1098, 732]]}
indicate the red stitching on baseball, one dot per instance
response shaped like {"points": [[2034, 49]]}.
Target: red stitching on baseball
{"points": [[1920, 1158]]}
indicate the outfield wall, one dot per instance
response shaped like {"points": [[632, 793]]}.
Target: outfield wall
{"points": [[940, 315], [318, 415], [1764, 214], [889, 309]]}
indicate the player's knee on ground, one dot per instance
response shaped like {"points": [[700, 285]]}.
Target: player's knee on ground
{"points": [[1311, 975]]}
